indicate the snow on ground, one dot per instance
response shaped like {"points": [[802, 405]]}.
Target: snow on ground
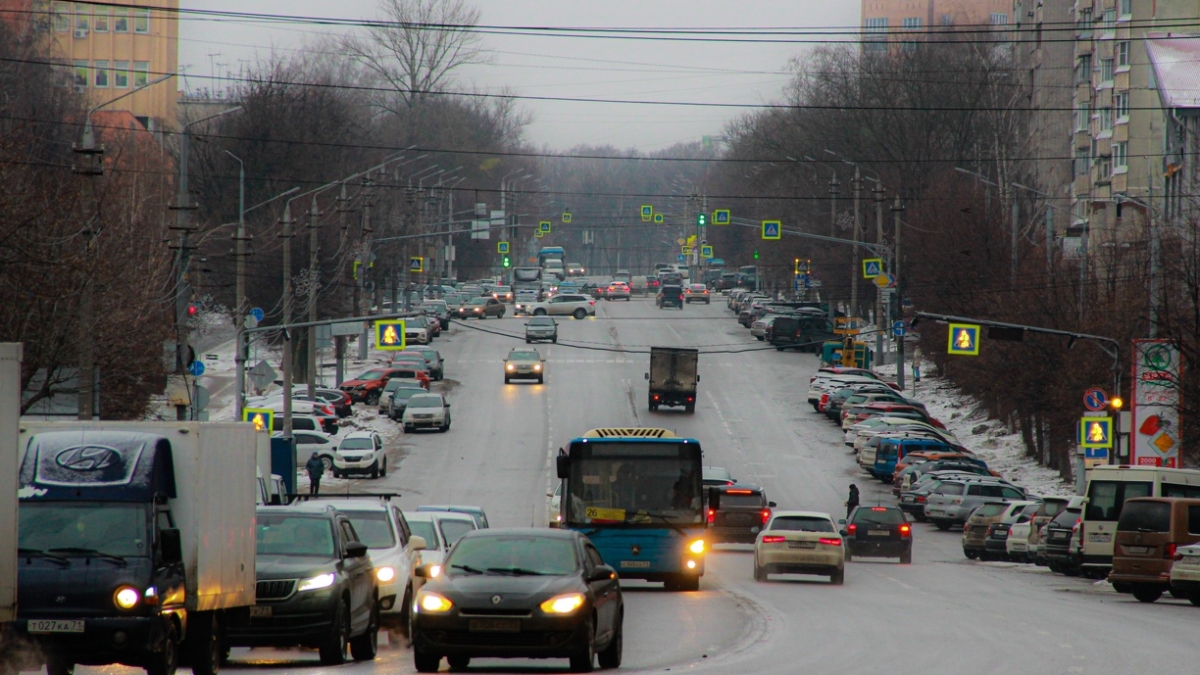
{"points": [[989, 439]]}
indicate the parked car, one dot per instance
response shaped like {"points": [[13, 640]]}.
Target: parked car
{"points": [[481, 308], [309, 441], [566, 304], [368, 386], [429, 411], [800, 542], [743, 514], [1150, 532], [398, 401], [525, 364], [954, 501], [435, 365], [1060, 543], [360, 452], [878, 531], [438, 309], [697, 293], [1024, 538], [670, 295], [540, 329], [1185, 573], [985, 534]]}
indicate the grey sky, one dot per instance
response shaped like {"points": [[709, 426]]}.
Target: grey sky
{"points": [[572, 67]]}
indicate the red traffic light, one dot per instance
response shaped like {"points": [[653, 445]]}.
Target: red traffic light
{"points": [[192, 309]]}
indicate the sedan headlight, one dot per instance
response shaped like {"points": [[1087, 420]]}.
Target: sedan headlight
{"points": [[385, 574], [563, 604], [317, 582], [126, 597], [433, 603]]}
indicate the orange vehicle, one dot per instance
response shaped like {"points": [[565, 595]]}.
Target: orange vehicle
{"points": [[915, 457]]}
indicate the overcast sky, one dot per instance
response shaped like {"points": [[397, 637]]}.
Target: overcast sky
{"points": [[571, 67]]}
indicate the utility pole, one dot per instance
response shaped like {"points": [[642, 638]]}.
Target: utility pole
{"points": [[364, 263], [897, 209], [833, 193], [1016, 227], [339, 342], [287, 320], [857, 186], [1155, 245], [182, 207], [313, 284], [881, 321], [89, 164]]}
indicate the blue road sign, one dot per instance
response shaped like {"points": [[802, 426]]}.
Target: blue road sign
{"points": [[899, 329], [1095, 399], [721, 217], [1095, 453], [872, 267], [681, 257], [257, 313], [771, 229], [196, 369]]}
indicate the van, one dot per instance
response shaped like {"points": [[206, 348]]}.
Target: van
{"points": [[892, 450], [1108, 488], [1149, 533]]}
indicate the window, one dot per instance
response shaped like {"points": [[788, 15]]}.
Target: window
{"points": [[1083, 113], [100, 23], [1145, 517], [141, 20], [121, 74], [81, 73], [101, 73], [873, 28], [1176, 490], [999, 19], [1106, 497], [83, 17], [1126, 7], [1083, 72], [120, 19], [62, 17], [947, 20], [1193, 520], [1082, 160], [141, 73], [911, 23], [1109, 18], [1121, 106], [1106, 70], [1105, 115], [1123, 53]]}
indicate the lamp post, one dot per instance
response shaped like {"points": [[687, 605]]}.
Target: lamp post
{"points": [[240, 283]]}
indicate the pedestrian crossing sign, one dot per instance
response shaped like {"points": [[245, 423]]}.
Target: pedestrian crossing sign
{"points": [[416, 264], [1095, 432], [658, 219], [964, 339], [647, 212], [262, 418], [772, 229], [721, 217], [544, 226], [872, 267], [502, 247], [539, 233], [566, 216], [706, 252], [686, 250], [389, 335]]}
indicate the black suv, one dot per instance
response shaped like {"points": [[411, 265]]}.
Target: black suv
{"points": [[316, 586], [878, 531], [670, 296], [1058, 547], [743, 514]]}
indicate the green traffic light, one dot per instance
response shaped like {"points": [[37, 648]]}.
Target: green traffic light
{"points": [[701, 219], [756, 254], [506, 261]]}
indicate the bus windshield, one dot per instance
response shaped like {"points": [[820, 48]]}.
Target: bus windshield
{"points": [[634, 484]]}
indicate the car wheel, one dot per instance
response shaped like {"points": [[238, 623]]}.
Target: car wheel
{"points": [[1194, 598], [333, 649], [838, 578], [541, 380], [581, 314], [1147, 593], [327, 461], [166, 661], [539, 312], [458, 662], [383, 471], [408, 428], [690, 408], [372, 398], [426, 663], [760, 573], [366, 646], [942, 526], [205, 651], [375, 470], [507, 380], [1177, 594], [56, 665], [554, 339], [528, 341], [760, 338], [849, 555], [585, 660], [610, 657]]}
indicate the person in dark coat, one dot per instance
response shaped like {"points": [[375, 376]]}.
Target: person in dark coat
{"points": [[316, 469], [852, 500]]}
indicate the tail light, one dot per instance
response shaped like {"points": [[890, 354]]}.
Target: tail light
{"points": [[690, 399], [830, 541], [920, 500], [766, 515], [851, 528], [1170, 552], [712, 515], [905, 530], [774, 539], [656, 397]]}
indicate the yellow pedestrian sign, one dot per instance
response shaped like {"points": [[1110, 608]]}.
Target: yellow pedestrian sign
{"points": [[721, 217], [389, 335], [706, 252], [544, 227], [872, 267], [566, 216], [691, 240], [647, 212], [416, 264], [658, 219], [964, 339], [262, 418], [1096, 432], [502, 247], [772, 229]]}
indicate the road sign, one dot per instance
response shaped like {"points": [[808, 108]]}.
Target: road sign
{"points": [[885, 280], [964, 339], [539, 234], [647, 212], [1096, 432], [1095, 399], [772, 229], [545, 226], [502, 247], [658, 219], [681, 241], [416, 264], [258, 314], [681, 258], [721, 217], [872, 267], [899, 329], [196, 368], [706, 252], [261, 418], [261, 375], [686, 250], [566, 216], [389, 335]]}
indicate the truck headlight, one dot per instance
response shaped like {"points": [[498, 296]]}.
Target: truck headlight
{"points": [[563, 604], [126, 597], [385, 574], [697, 547], [317, 582]]}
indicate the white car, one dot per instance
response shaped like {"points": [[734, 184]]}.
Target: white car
{"points": [[568, 304], [429, 411], [800, 542], [1185, 573], [440, 530], [415, 334], [554, 512], [360, 452], [308, 442], [525, 299]]}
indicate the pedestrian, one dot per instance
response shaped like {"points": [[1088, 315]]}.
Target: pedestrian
{"points": [[316, 469], [852, 501]]}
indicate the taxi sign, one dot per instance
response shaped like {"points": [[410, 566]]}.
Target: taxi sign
{"points": [[261, 418], [1096, 432], [647, 212], [872, 267], [416, 264], [544, 226], [502, 247], [389, 335], [706, 252], [658, 219], [772, 229], [964, 339], [721, 217]]}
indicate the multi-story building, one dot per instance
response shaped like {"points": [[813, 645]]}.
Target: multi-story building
{"points": [[889, 20], [1175, 60], [112, 49]]}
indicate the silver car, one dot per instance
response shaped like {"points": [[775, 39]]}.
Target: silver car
{"points": [[952, 502], [540, 329], [524, 364]]}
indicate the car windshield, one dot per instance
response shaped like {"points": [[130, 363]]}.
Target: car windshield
{"points": [[502, 289], [801, 524], [645, 490], [1145, 517], [406, 393], [541, 321], [453, 530], [425, 402], [524, 356], [356, 444], [294, 535], [112, 528], [479, 301], [1065, 518], [370, 375], [513, 554], [373, 528], [990, 510], [880, 515]]}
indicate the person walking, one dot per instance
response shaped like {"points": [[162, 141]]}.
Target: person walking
{"points": [[316, 469], [852, 500]]}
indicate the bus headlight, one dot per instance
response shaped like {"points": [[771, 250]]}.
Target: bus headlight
{"points": [[563, 604], [697, 547]]}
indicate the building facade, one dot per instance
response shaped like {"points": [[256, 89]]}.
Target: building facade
{"points": [[889, 20]]}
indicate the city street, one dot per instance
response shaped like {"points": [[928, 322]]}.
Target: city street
{"points": [[940, 614]]}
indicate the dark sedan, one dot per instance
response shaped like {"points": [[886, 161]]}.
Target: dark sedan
{"points": [[878, 531], [519, 593], [481, 308], [743, 514]]}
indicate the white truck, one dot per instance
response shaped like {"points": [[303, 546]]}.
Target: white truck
{"points": [[137, 541], [10, 409]]}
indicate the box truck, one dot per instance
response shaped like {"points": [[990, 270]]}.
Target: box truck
{"points": [[673, 376]]}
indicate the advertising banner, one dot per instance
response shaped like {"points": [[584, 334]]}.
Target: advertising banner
{"points": [[1156, 435]]}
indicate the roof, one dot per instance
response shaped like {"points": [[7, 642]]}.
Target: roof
{"points": [[802, 514], [1175, 60], [428, 516], [301, 508], [359, 434], [628, 432]]}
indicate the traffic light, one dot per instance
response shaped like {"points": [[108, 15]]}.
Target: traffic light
{"points": [[701, 219], [192, 309], [756, 254], [506, 262]]}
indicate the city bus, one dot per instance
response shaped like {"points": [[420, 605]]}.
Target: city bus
{"points": [[1108, 488], [636, 493], [551, 253]]}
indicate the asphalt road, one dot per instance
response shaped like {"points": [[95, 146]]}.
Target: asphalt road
{"points": [[941, 614]]}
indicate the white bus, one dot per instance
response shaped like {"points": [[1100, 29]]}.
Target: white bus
{"points": [[1108, 488]]}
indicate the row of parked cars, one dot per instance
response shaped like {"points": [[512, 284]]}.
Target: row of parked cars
{"points": [[803, 326]]}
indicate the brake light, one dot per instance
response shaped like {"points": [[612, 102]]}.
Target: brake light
{"points": [[1169, 552], [766, 515], [878, 508], [656, 397], [920, 500], [905, 530], [739, 492], [851, 528], [829, 541], [773, 539], [712, 515]]}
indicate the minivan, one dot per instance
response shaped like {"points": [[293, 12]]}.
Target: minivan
{"points": [[1150, 531]]}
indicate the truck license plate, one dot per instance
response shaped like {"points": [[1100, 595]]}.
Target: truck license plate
{"points": [[1099, 537], [495, 625], [1137, 550], [55, 626], [636, 564], [260, 611]]}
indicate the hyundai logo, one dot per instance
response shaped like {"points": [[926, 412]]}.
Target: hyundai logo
{"points": [[89, 458], [635, 549], [497, 599]]}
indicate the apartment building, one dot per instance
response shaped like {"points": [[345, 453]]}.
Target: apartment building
{"points": [[889, 20], [1175, 63]]}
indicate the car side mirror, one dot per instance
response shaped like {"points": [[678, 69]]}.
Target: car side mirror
{"points": [[602, 573], [714, 499], [417, 543], [647, 376], [841, 522], [771, 505], [427, 571], [843, 532], [356, 549], [171, 545], [562, 465]]}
